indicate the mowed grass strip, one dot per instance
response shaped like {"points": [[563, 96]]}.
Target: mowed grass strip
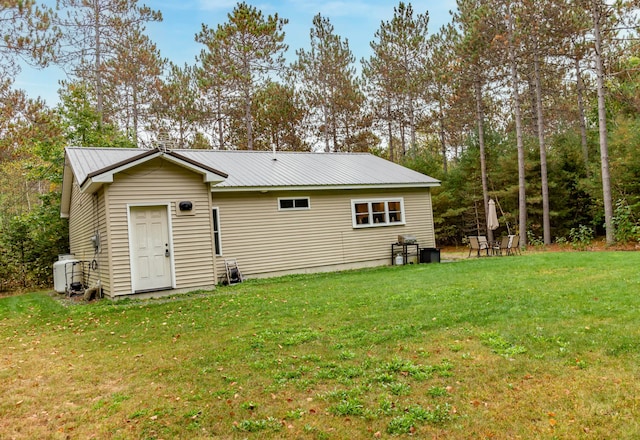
{"points": [[537, 346]]}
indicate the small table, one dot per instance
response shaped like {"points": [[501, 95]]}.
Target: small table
{"points": [[407, 250]]}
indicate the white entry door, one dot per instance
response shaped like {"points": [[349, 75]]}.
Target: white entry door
{"points": [[150, 253]]}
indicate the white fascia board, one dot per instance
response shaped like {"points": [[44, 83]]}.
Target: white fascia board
{"points": [[222, 189], [67, 184]]}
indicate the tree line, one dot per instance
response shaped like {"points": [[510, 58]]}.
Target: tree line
{"points": [[532, 103]]}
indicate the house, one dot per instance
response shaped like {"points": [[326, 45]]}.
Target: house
{"points": [[151, 222]]}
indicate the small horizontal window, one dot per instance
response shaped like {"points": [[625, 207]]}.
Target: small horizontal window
{"points": [[377, 212], [291, 204]]}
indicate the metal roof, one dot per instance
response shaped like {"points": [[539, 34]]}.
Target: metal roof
{"points": [[263, 169], [90, 161]]}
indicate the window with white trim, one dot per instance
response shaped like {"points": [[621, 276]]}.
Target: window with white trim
{"points": [[368, 213], [216, 231], [298, 203]]}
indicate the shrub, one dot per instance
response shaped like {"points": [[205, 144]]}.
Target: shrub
{"points": [[581, 237], [625, 225]]}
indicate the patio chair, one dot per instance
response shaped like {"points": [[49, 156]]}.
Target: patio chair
{"points": [[514, 245], [502, 247], [476, 244], [484, 243]]}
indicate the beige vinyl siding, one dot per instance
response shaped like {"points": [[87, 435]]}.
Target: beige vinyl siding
{"points": [[266, 240], [87, 217], [80, 223], [102, 272], [159, 182], [106, 254]]}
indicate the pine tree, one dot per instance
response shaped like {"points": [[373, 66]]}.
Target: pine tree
{"points": [[93, 32], [178, 112], [133, 78], [253, 48], [27, 34], [395, 71], [326, 77]]}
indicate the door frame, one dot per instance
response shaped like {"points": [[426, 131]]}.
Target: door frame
{"points": [[132, 266]]}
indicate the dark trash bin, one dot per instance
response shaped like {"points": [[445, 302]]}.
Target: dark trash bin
{"points": [[429, 255]]}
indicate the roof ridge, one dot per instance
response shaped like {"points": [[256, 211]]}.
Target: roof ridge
{"points": [[336, 153]]}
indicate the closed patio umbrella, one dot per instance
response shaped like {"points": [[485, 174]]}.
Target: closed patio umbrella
{"points": [[492, 216]]}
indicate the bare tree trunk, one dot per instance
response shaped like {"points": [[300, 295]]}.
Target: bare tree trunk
{"points": [[327, 147], [347, 136], [602, 124], [221, 145], [443, 144], [522, 193], [412, 124], [390, 131], [248, 120], [135, 116], [98, 62], [334, 130], [483, 161], [546, 223], [403, 140], [582, 118]]}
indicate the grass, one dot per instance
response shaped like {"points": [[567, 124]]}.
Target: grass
{"points": [[539, 346]]}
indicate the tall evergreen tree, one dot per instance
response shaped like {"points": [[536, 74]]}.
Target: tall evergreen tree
{"points": [[133, 78], [326, 78], [93, 31], [279, 114], [27, 34], [177, 112], [253, 48], [395, 71], [477, 31]]}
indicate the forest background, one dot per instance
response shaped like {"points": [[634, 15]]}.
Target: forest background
{"points": [[531, 103]]}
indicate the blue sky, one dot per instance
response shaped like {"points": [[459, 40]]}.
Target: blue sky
{"points": [[355, 20]]}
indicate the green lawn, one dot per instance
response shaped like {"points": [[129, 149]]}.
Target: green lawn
{"points": [[536, 346]]}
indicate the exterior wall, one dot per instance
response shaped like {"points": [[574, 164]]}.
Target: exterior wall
{"points": [[267, 241], [86, 219], [159, 182]]}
